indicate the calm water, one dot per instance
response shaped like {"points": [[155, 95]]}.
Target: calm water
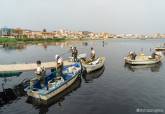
{"points": [[115, 89]]}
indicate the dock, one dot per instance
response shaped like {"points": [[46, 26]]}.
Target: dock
{"points": [[29, 66]]}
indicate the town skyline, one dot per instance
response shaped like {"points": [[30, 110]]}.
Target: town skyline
{"points": [[65, 33], [66, 29]]}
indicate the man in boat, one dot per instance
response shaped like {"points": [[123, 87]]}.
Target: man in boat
{"points": [[134, 56], [59, 66], [72, 51], [75, 53], [153, 55], [40, 73], [93, 54]]}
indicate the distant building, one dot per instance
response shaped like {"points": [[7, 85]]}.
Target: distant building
{"points": [[6, 32], [162, 35], [85, 32]]}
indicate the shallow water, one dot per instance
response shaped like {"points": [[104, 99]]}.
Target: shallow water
{"points": [[116, 89]]}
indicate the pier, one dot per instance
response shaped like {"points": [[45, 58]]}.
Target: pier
{"points": [[28, 66]]}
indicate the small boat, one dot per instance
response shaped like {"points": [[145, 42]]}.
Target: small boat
{"points": [[142, 60], [53, 84], [160, 49], [91, 66], [56, 99]]}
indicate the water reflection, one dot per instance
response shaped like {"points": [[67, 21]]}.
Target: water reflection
{"points": [[94, 75], [103, 43], [9, 47], [85, 43], [152, 67], [44, 106], [21, 46]]}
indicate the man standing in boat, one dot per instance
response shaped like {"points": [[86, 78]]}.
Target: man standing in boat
{"points": [[72, 51], [93, 54], [132, 55], [59, 66], [75, 51], [40, 73]]}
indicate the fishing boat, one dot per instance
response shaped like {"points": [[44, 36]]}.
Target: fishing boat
{"points": [[142, 60], [54, 84], [56, 99], [160, 49], [91, 66]]}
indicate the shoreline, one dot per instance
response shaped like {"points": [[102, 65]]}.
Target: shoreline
{"points": [[35, 41], [28, 40]]}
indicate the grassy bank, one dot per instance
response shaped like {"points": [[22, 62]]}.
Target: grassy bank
{"points": [[8, 40], [30, 40]]}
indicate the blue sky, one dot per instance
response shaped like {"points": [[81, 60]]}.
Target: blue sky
{"points": [[113, 16]]}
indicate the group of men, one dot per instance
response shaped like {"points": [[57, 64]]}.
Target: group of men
{"points": [[133, 55], [40, 71], [74, 52]]}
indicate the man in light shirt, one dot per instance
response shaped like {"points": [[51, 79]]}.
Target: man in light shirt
{"points": [[93, 54], [40, 73], [40, 70], [59, 62]]}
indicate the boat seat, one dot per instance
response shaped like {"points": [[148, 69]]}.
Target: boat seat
{"points": [[49, 77]]}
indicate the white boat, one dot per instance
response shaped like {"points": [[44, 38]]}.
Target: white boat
{"points": [[58, 97], [94, 65], [53, 85], [142, 60]]}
